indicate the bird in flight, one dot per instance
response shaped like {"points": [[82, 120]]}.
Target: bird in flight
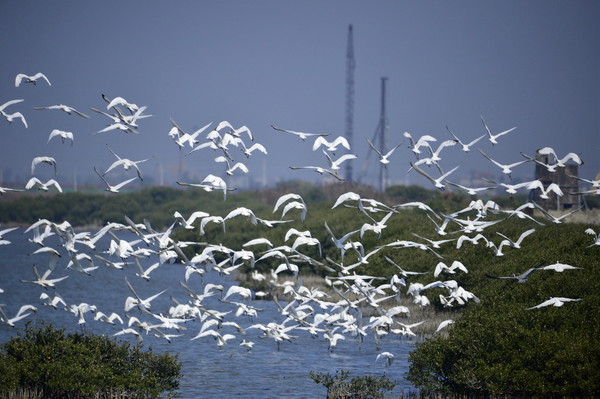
{"points": [[521, 278], [30, 79]]}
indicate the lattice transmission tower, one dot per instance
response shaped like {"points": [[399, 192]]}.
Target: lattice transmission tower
{"points": [[349, 99]]}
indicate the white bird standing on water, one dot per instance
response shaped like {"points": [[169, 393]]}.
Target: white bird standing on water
{"points": [[30, 79], [493, 137]]}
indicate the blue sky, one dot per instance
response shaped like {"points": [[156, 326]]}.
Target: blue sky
{"points": [[534, 65]]}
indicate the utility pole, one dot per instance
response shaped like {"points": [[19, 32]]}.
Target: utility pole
{"points": [[349, 98], [383, 133]]}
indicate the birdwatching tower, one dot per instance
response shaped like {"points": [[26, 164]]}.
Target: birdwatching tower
{"points": [[349, 98]]}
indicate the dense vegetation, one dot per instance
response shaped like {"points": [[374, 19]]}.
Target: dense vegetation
{"points": [[47, 361], [496, 346], [341, 386]]}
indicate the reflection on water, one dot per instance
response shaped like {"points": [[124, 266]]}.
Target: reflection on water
{"points": [[208, 371]]}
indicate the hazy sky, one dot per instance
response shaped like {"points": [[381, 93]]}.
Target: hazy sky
{"points": [[534, 65]]}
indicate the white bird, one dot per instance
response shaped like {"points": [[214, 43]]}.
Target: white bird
{"points": [[62, 134], [233, 131], [389, 357], [302, 135], [471, 190], [142, 304], [35, 182], [517, 244], [254, 147], [64, 108], [2, 232], [236, 289], [19, 316], [114, 189], [437, 182], [110, 319], [210, 183], [522, 278], [552, 187], [30, 79], [232, 168], [117, 126], [4, 190], [416, 145], [383, 158], [560, 161], [242, 211], [211, 219], [126, 163], [320, 170], [560, 267], [11, 117], [465, 147], [441, 267], [301, 206], [435, 155], [555, 301], [120, 101], [506, 168], [9, 103], [444, 324], [556, 219], [493, 137], [376, 227], [591, 232], [53, 302], [44, 159], [331, 145], [43, 280], [145, 274], [335, 164]]}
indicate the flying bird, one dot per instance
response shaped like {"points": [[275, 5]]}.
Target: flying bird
{"points": [[521, 278], [506, 168], [302, 135], [465, 147], [555, 301], [493, 137], [64, 108], [114, 188], [35, 182], [30, 79], [436, 182], [62, 134], [383, 158], [126, 163]]}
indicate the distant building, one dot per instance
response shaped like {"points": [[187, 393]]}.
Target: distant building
{"points": [[561, 176]]}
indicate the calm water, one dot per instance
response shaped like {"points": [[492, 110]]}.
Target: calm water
{"points": [[208, 371]]}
